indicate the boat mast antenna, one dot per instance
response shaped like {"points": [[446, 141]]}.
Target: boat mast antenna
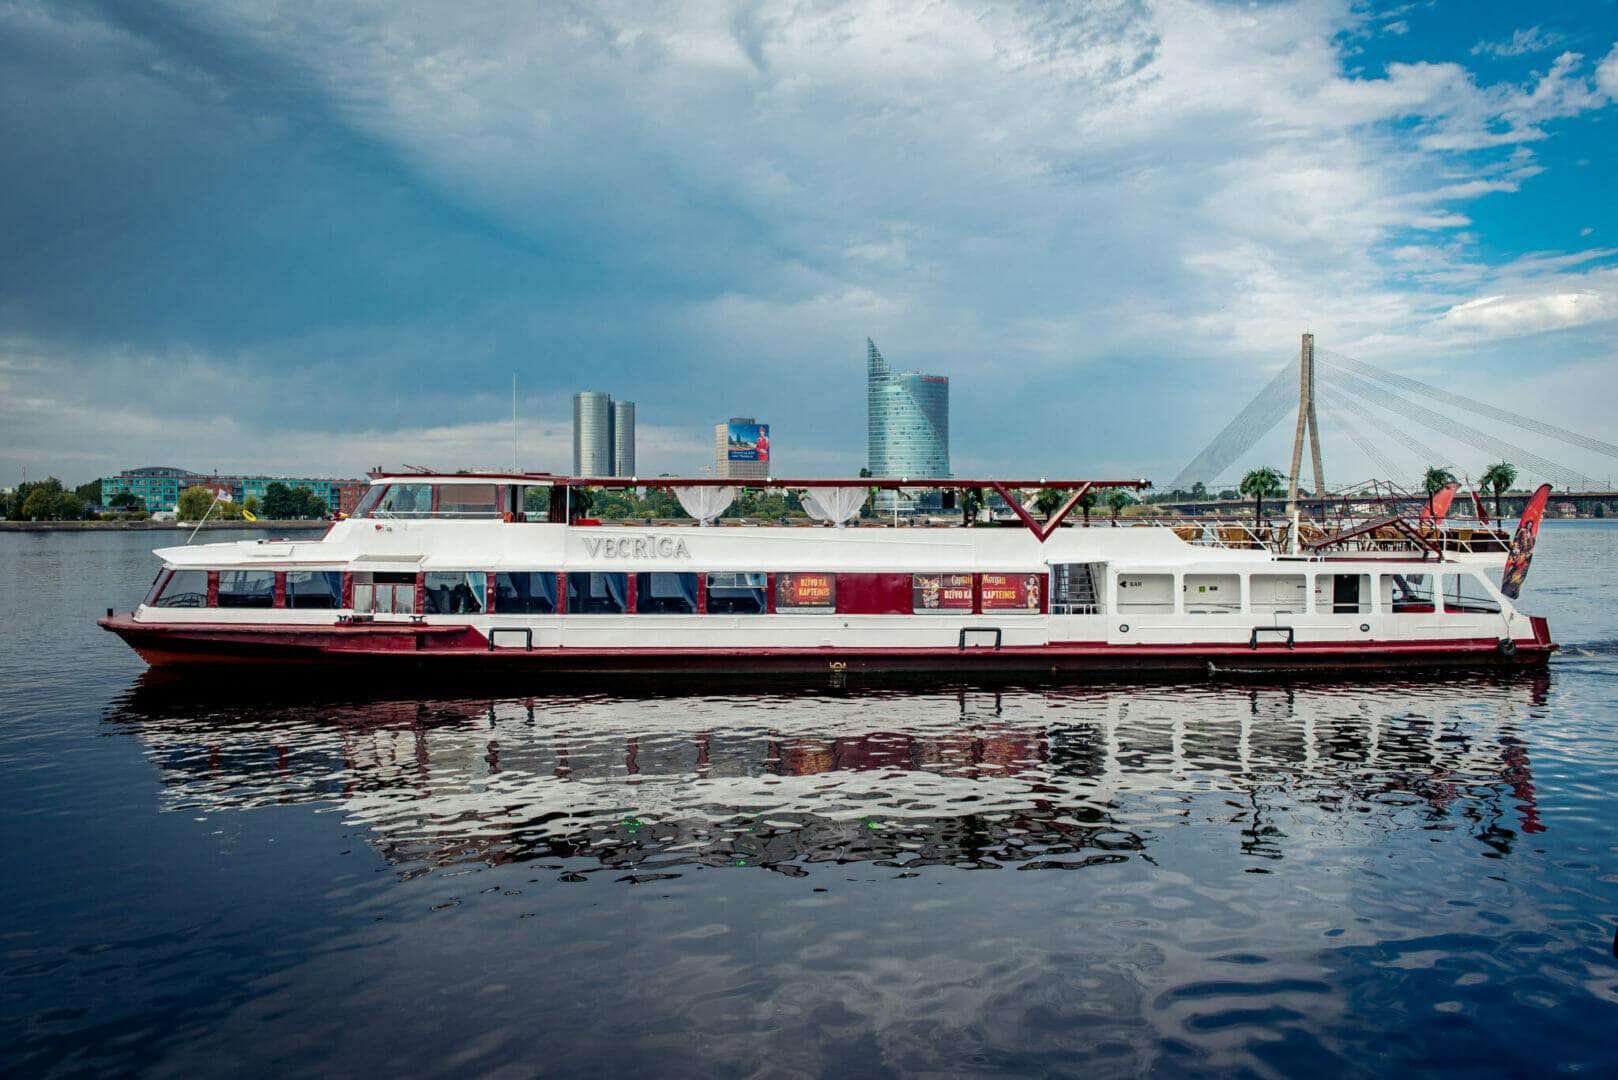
{"points": [[513, 421]]}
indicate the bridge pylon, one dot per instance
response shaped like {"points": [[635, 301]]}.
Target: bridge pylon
{"points": [[1308, 425]]}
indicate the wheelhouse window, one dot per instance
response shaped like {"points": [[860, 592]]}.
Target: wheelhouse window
{"points": [[314, 589], [1408, 594], [468, 501], [247, 588], [525, 593], [1279, 594], [368, 501], [738, 594], [666, 594], [454, 592], [184, 588], [597, 594], [406, 500], [1465, 594]]}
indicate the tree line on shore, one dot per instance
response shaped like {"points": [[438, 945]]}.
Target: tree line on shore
{"points": [[50, 500]]}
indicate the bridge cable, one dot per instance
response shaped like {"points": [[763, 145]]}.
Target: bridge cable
{"points": [[1257, 420], [1528, 423]]}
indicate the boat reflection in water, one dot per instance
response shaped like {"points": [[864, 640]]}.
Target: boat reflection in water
{"points": [[656, 786]]}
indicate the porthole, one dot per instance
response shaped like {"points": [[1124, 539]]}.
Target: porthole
{"points": [[1365, 628], [1123, 628]]}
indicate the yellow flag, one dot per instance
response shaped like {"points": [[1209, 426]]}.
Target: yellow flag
{"points": [[249, 515]]}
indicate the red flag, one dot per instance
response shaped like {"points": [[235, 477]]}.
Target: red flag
{"points": [[1438, 506], [1522, 545], [1477, 505]]}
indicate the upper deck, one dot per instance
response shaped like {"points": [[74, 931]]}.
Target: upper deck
{"points": [[524, 520]]}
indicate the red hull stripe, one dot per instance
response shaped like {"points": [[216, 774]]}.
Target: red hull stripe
{"points": [[213, 642]]}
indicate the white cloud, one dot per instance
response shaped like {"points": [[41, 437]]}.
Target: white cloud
{"points": [[1533, 39]]}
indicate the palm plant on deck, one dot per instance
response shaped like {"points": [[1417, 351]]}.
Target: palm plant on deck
{"points": [[1117, 499], [1498, 478], [1258, 483]]}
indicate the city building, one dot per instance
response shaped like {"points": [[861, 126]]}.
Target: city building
{"points": [[907, 424], [741, 449], [159, 486], [603, 435], [623, 438]]}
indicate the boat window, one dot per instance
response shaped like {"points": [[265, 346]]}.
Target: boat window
{"points": [[738, 594], [157, 586], [1408, 594], [940, 593], [406, 500], [528, 593], [1464, 593], [368, 501], [246, 588], [1212, 594], [468, 500], [1279, 594], [1343, 594], [384, 593], [1076, 589], [597, 594], [314, 588], [1145, 593], [453, 592], [800, 593], [185, 588], [666, 594]]}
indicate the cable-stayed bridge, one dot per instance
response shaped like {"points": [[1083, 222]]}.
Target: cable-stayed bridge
{"points": [[1392, 418]]}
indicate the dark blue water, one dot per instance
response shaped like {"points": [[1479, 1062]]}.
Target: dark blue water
{"points": [[262, 877]]}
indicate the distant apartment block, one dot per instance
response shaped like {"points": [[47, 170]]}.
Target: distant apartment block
{"points": [[159, 486]]}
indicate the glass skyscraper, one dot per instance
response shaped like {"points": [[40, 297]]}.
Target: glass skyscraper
{"points": [[907, 423], [603, 435]]}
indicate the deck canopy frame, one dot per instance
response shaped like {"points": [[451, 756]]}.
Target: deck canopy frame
{"points": [[1004, 488]]}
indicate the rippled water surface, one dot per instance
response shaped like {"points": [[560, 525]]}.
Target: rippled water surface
{"points": [[826, 880]]}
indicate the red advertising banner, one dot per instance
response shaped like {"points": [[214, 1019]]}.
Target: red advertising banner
{"points": [[1011, 592], [806, 592], [1522, 545], [941, 592]]}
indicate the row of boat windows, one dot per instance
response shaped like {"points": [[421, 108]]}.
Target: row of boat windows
{"points": [[549, 592], [1292, 594]]}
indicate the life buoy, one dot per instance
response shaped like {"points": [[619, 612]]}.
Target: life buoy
{"points": [[1507, 647]]}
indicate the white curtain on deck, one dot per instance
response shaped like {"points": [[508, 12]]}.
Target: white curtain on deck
{"points": [[837, 505], [705, 503]]}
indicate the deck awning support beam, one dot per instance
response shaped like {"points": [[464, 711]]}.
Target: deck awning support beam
{"points": [[1044, 531]]}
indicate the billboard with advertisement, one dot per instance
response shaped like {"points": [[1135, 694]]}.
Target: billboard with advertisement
{"points": [[1011, 592], [805, 592], [941, 592], [748, 442]]}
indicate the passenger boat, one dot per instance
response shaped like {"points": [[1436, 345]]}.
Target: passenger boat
{"points": [[453, 571]]}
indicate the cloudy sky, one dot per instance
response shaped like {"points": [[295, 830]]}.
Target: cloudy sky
{"points": [[293, 237]]}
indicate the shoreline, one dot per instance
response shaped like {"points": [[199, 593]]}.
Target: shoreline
{"points": [[154, 526]]}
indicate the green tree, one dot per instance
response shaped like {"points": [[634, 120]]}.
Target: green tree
{"points": [[1117, 499], [1434, 480], [90, 493], [46, 500], [1087, 502], [193, 503], [252, 505], [1049, 501], [1199, 490], [971, 504], [1498, 478], [1260, 482]]}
